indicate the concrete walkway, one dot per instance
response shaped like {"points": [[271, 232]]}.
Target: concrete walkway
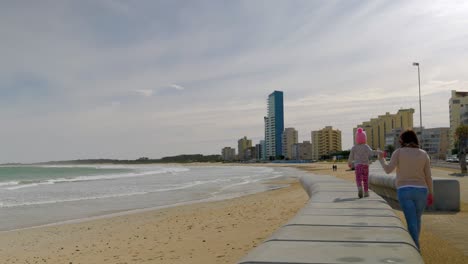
{"points": [[337, 227], [452, 227]]}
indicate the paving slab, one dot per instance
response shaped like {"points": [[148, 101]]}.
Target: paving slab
{"points": [[328, 196], [347, 211], [343, 234], [301, 252], [325, 220], [350, 205]]}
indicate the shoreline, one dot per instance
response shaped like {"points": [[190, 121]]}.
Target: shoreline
{"points": [[99, 198], [210, 232], [278, 185]]}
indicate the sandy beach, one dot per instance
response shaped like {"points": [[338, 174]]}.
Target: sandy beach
{"points": [[212, 232]]}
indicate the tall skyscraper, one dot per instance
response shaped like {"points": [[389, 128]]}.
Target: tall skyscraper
{"points": [[274, 125]]}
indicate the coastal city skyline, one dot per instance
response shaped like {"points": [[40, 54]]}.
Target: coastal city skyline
{"points": [[110, 79]]}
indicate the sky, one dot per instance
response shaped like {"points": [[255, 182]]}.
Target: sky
{"points": [[129, 79]]}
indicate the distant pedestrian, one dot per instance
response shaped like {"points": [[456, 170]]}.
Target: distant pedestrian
{"points": [[359, 156], [413, 180]]}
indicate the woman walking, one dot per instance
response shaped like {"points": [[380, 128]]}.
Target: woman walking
{"points": [[413, 180]]}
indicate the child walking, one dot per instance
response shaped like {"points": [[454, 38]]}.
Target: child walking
{"points": [[359, 155]]}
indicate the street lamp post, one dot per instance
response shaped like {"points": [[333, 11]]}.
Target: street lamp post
{"points": [[420, 111]]}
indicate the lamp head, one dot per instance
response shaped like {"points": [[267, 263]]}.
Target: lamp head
{"points": [[415, 63]]}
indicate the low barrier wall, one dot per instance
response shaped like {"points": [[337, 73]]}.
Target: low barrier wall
{"points": [[446, 191], [337, 227]]}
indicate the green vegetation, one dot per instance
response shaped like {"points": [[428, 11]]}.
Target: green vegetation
{"points": [[462, 137], [186, 158], [390, 149]]}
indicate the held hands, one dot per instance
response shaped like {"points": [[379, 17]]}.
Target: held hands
{"points": [[430, 199], [381, 154]]}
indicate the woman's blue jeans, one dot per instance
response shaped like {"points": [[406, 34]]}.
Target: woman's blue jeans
{"points": [[412, 202]]}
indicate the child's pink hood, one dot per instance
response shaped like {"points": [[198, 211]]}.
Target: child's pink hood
{"points": [[361, 137]]}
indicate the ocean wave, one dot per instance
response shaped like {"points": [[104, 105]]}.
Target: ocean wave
{"points": [[6, 205], [9, 183], [34, 183]]}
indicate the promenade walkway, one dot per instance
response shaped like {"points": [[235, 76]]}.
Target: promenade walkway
{"points": [[452, 228], [337, 227]]}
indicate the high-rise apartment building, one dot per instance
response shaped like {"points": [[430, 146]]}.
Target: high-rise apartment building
{"points": [[274, 125], [228, 154], [325, 142], [456, 104], [258, 151], [263, 150], [435, 141], [377, 128], [289, 139], [302, 151], [243, 144]]}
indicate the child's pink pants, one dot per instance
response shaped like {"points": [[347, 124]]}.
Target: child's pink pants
{"points": [[362, 176]]}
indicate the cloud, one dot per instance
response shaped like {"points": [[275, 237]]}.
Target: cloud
{"points": [[177, 87], [338, 63], [145, 92]]}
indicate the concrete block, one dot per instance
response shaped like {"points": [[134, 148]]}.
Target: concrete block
{"points": [[303, 252], [446, 195], [350, 205], [347, 211], [326, 220], [342, 197], [343, 234]]}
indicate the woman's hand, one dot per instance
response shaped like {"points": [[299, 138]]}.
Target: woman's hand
{"points": [[381, 154], [430, 199]]}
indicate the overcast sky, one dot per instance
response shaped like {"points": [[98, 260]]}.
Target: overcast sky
{"points": [[127, 79]]}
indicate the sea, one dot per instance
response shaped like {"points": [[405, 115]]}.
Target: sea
{"points": [[32, 196]]}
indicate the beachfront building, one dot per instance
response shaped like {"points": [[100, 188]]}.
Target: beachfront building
{"points": [[250, 153], [289, 139], [228, 154], [258, 151], [263, 150], [274, 126], [378, 128], [242, 145], [456, 106], [302, 151], [435, 141], [325, 142]]}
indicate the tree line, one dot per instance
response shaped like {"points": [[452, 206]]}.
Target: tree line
{"points": [[185, 158]]}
